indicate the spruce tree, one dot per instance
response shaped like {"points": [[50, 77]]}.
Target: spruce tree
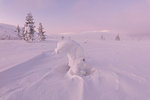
{"points": [[41, 32], [29, 28]]}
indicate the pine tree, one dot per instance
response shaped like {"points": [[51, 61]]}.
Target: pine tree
{"points": [[41, 35], [117, 38], [29, 28], [18, 30]]}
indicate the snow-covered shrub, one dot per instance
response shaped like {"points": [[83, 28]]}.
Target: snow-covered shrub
{"points": [[75, 55], [117, 38], [102, 37]]}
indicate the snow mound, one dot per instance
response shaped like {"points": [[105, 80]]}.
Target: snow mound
{"points": [[75, 55], [7, 32]]}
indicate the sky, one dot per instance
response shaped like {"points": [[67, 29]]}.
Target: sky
{"points": [[66, 16]]}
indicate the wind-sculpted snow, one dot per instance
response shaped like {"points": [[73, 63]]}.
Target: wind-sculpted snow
{"points": [[76, 59], [117, 75]]}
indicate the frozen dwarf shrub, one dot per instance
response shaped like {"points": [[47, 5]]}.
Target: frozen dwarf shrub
{"points": [[117, 38], [75, 55]]}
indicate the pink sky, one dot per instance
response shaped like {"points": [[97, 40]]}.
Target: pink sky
{"points": [[119, 16]]}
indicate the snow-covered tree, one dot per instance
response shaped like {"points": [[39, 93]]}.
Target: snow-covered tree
{"points": [[18, 30], [41, 32], [117, 38], [29, 28]]}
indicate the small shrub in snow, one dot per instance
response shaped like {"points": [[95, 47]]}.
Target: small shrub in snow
{"points": [[62, 37], [117, 38], [102, 37]]}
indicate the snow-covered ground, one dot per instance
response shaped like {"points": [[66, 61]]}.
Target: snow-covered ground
{"points": [[33, 71], [7, 31]]}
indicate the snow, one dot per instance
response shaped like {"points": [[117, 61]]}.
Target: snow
{"points": [[75, 55], [7, 30], [33, 71]]}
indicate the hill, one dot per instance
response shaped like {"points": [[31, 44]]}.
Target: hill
{"points": [[7, 32]]}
